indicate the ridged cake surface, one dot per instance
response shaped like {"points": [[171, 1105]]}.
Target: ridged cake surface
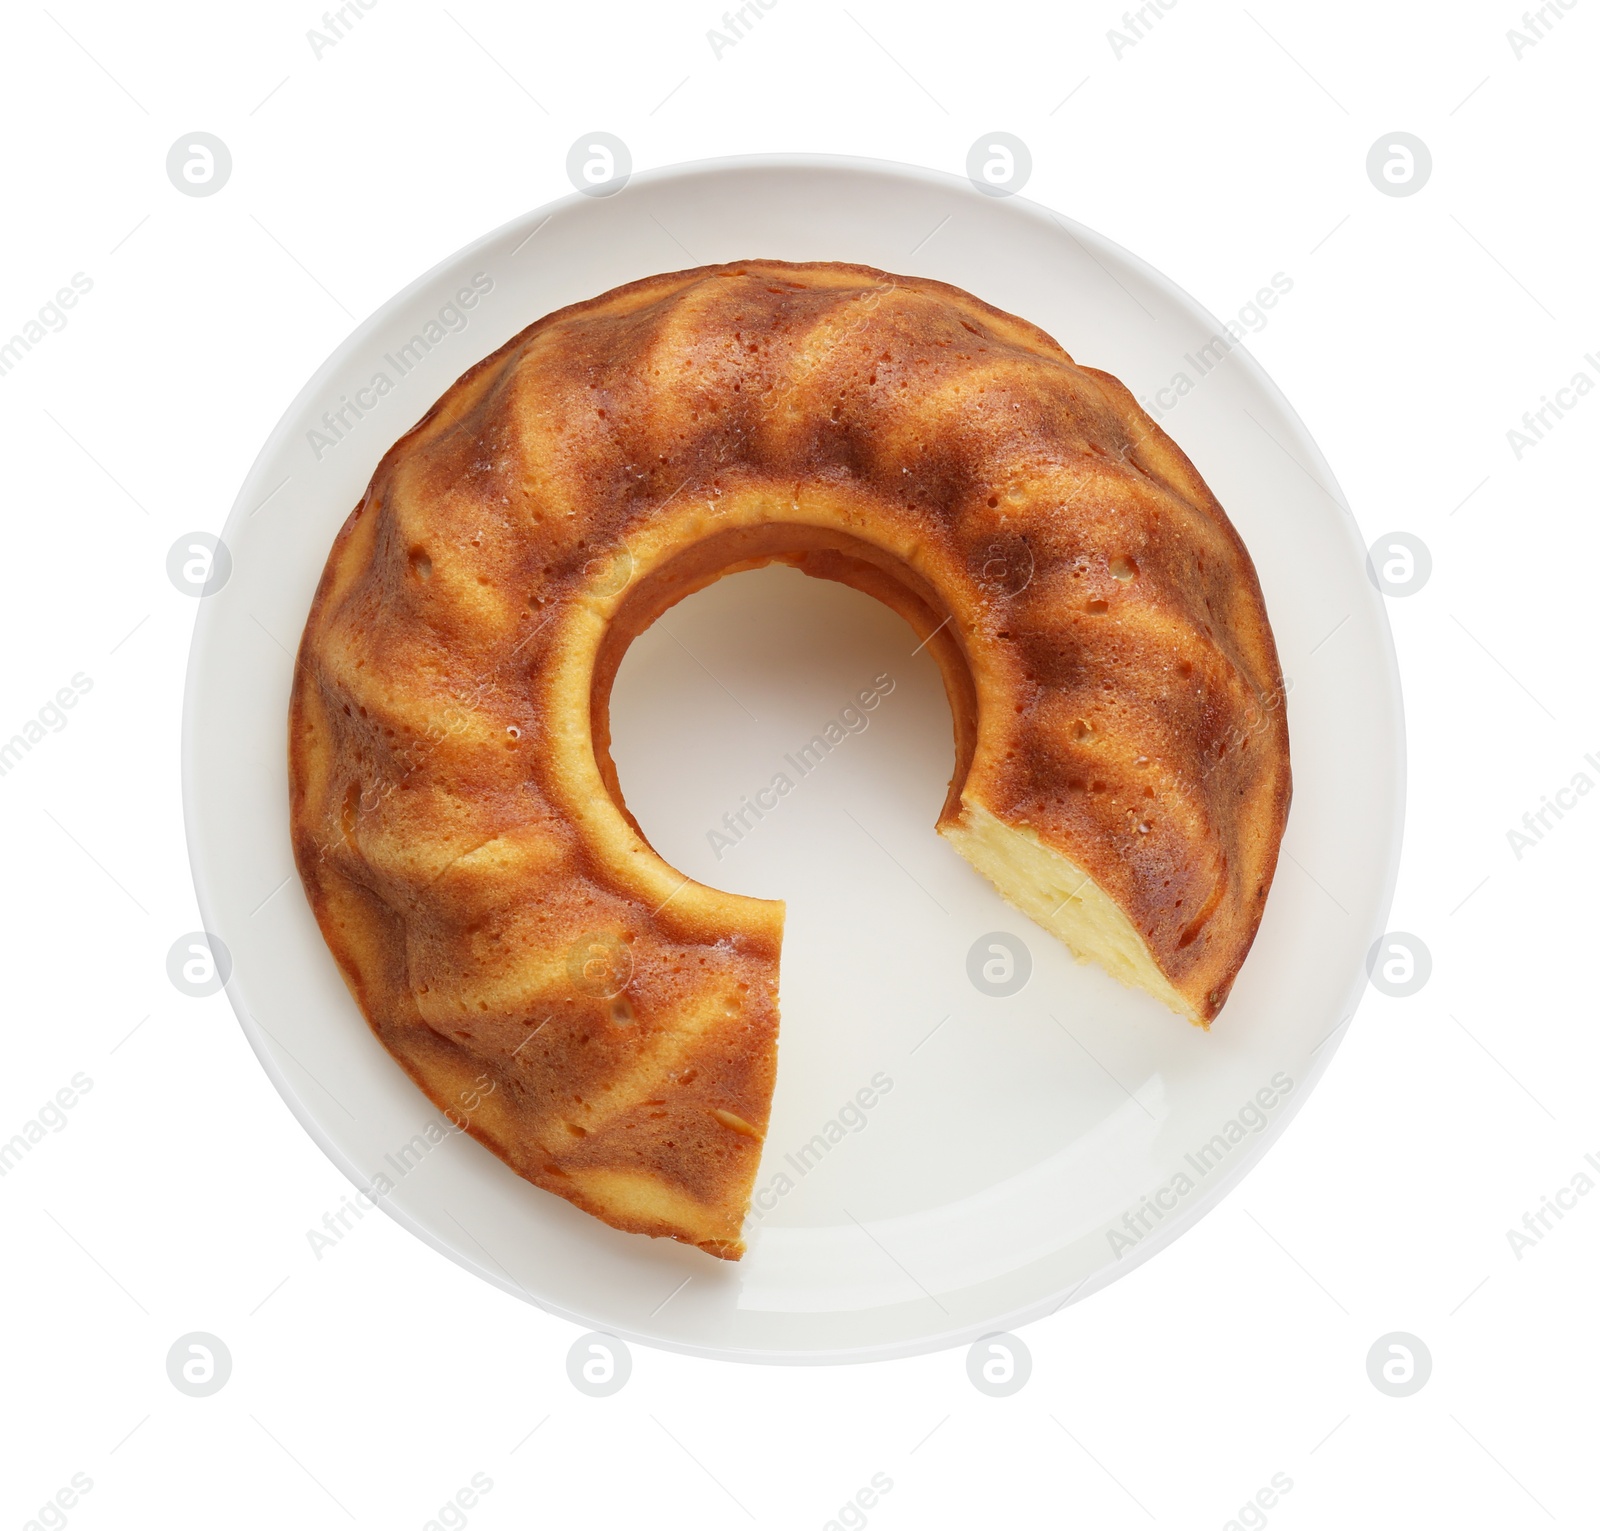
{"points": [[604, 1024]]}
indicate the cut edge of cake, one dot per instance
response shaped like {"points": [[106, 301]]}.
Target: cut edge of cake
{"points": [[1059, 895]]}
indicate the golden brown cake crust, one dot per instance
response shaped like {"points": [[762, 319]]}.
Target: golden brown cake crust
{"points": [[605, 1025]]}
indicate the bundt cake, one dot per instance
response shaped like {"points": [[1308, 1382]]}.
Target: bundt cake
{"points": [[603, 1023]]}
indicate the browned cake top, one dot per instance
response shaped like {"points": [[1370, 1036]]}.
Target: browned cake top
{"points": [[456, 818]]}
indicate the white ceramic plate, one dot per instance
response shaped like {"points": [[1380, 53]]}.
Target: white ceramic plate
{"points": [[1017, 1152]]}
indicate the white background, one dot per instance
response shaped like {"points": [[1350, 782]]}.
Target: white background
{"points": [[368, 1387]]}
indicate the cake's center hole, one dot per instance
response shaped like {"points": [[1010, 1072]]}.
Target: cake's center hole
{"points": [[768, 727]]}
